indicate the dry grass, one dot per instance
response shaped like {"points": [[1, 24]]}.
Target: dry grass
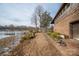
{"points": [[6, 41], [39, 46], [18, 50]]}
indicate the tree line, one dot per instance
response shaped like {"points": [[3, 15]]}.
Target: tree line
{"points": [[14, 28]]}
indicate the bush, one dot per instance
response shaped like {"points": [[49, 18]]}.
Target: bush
{"points": [[24, 38], [55, 35], [28, 36], [49, 33]]}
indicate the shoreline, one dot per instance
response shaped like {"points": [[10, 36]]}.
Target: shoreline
{"points": [[5, 44]]}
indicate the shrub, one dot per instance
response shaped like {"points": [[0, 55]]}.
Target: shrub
{"points": [[28, 36], [49, 33], [55, 35], [24, 38]]}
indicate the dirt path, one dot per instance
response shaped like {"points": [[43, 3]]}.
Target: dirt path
{"points": [[39, 46], [43, 45]]}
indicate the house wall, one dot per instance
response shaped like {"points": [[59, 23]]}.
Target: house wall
{"points": [[62, 22]]}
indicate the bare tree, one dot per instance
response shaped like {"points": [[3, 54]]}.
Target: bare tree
{"points": [[34, 20], [41, 16], [36, 17], [39, 10]]}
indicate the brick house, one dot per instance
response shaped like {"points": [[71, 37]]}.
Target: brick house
{"points": [[66, 21]]}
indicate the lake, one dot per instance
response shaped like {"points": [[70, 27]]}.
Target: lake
{"points": [[17, 34], [5, 34]]}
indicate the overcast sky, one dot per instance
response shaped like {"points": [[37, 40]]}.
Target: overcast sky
{"points": [[20, 14]]}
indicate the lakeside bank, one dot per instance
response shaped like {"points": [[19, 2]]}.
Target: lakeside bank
{"points": [[6, 44], [8, 41]]}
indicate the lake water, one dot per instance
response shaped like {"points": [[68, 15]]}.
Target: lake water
{"points": [[17, 34], [4, 34]]}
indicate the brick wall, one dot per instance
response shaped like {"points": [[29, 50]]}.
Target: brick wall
{"points": [[62, 23]]}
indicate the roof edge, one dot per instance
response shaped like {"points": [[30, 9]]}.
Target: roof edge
{"points": [[58, 12]]}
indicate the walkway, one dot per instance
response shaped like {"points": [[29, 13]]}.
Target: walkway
{"points": [[39, 46], [43, 45]]}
